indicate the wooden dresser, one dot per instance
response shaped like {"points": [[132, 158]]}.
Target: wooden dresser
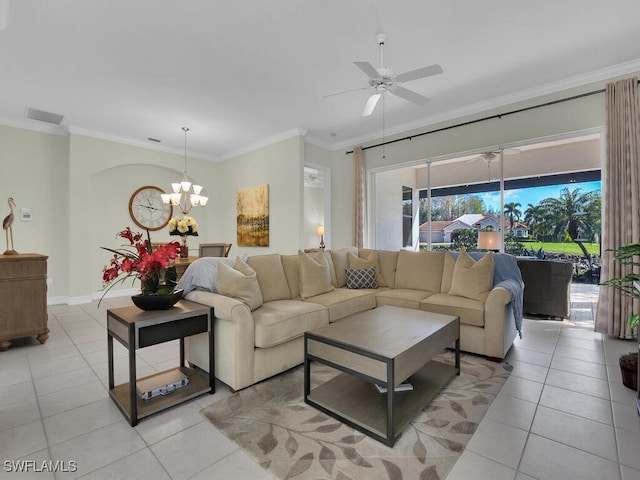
{"points": [[23, 298]]}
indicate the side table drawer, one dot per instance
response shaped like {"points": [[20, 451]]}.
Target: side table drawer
{"points": [[164, 332]]}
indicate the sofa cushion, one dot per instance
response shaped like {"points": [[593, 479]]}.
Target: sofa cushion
{"points": [[420, 270], [315, 275], [472, 279], [291, 265], [470, 311], [371, 260], [447, 272], [239, 282], [343, 302], [388, 264], [361, 278], [402, 297], [341, 263], [283, 320], [271, 277]]}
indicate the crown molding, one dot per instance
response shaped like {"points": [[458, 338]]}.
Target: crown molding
{"points": [[296, 132], [137, 143], [34, 125]]}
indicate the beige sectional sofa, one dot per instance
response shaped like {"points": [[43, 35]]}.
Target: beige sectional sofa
{"points": [[253, 345]]}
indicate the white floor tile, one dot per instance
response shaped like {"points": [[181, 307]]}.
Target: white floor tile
{"points": [[529, 356], [581, 433], [625, 416], [201, 444], [578, 366], [238, 465], [545, 459], [62, 381], [628, 448], [71, 398], [499, 442], [81, 420], [98, 448], [470, 465], [523, 389], [629, 473], [142, 465], [20, 413], [158, 427], [578, 383], [512, 411], [529, 371], [586, 406], [23, 440], [31, 467], [580, 354]]}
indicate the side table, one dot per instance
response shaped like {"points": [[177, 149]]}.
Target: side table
{"points": [[134, 329]]}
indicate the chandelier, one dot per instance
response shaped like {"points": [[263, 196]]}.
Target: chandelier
{"points": [[185, 194]]}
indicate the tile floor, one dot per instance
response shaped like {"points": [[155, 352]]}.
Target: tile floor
{"points": [[563, 413]]}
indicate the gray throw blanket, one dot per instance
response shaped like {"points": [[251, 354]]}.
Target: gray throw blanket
{"points": [[506, 274]]}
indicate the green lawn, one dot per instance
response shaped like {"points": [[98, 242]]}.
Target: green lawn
{"points": [[569, 247]]}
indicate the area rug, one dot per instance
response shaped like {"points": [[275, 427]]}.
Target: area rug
{"points": [[293, 440]]}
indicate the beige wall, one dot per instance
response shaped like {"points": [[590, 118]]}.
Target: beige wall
{"points": [[34, 171]]}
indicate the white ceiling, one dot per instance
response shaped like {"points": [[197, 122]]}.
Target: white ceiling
{"points": [[244, 73]]}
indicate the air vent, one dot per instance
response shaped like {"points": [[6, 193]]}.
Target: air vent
{"points": [[151, 139], [42, 116]]}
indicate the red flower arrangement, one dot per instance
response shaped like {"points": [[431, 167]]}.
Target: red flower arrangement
{"points": [[139, 260]]}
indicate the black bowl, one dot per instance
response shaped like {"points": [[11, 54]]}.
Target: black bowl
{"points": [[157, 302]]}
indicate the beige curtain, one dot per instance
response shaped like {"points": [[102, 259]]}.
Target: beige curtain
{"points": [[620, 203], [359, 197]]}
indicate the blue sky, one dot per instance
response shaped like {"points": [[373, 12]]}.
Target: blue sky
{"points": [[526, 196]]}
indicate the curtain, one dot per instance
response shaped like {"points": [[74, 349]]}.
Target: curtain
{"points": [[359, 197], [620, 203]]}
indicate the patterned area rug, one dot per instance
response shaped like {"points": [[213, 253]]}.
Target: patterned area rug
{"points": [[291, 439]]}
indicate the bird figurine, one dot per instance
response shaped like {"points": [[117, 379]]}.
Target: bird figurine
{"points": [[8, 231]]}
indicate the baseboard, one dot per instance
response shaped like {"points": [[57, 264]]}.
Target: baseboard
{"points": [[81, 299]]}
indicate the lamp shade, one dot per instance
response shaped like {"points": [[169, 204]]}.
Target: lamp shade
{"points": [[489, 240], [320, 229]]}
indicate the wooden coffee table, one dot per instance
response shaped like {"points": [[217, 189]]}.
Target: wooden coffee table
{"points": [[385, 346]]}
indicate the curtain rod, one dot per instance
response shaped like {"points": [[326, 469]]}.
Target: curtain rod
{"points": [[491, 117]]}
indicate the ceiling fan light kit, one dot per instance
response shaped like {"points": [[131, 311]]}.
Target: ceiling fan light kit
{"points": [[382, 80]]}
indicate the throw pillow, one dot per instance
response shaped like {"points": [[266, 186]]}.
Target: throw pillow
{"points": [[315, 275], [361, 278], [472, 279], [370, 260], [239, 282]]}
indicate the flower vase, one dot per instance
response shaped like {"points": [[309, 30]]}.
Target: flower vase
{"points": [[184, 248]]}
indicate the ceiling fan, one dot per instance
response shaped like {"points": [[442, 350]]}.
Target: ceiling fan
{"points": [[490, 157], [382, 79], [494, 155]]}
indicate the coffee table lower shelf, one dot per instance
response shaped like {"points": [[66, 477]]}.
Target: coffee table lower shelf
{"points": [[198, 384], [356, 401]]}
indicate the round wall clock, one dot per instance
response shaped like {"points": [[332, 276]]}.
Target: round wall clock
{"points": [[147, 209]]}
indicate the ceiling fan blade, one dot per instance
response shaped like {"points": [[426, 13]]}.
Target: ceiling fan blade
{"points": [[368, 69], [371, 104], [407, 94], [419, 73]]}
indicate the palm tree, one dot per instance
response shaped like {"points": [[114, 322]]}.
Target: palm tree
{"points": [[534, 218], [511, 211], [573, 212]]}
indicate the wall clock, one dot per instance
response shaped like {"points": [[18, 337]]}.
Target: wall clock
{"points": [[147, 209]]}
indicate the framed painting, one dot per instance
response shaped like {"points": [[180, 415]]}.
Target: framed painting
{"points": [[252, 216]]}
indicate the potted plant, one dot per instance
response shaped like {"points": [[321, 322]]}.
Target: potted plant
{"points": [[629, 361], [139, 260]]}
